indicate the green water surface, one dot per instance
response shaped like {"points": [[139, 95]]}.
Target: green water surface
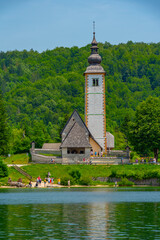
{"points": [[79, 214]]}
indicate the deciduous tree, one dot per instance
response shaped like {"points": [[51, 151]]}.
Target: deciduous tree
{"points": [[145, 130]]}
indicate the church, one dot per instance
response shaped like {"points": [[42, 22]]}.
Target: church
{"points": [[81, 140]]}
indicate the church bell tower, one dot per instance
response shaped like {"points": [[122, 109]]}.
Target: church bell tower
{"points": [[95, 109]]}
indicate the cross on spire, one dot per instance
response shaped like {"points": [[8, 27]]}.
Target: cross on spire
{"points": [[93, 26]]}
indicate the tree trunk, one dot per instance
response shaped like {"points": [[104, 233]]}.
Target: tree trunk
{"points": [[156, 150]]}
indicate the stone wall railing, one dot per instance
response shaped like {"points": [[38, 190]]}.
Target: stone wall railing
{"points": [[47, 151], [109, 160], [37, 158], [116, 153]]}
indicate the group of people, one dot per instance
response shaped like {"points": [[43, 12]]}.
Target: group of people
{"points": [[96, 154], [87, 161], [49, 180], [152, 160]]}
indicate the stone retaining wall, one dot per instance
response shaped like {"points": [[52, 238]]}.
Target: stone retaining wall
{"points": [[47, 151], [117, 153], [109, 160], [36, 158], [150, 181]]}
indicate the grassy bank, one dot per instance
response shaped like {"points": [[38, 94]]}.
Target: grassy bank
{"points": [[22, 158], [86, 172]]}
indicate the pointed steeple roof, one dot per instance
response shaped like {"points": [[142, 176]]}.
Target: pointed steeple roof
{"points": [[94, 59], [94, 42]]}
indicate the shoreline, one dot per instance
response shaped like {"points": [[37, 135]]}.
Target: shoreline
{"points": [[54, 186]]}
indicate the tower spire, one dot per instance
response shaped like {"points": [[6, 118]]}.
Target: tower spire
{"points": [[94, 42], [94, 59], [93, 28]]}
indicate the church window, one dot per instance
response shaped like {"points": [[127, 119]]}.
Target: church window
{"points": [[95, 82]]}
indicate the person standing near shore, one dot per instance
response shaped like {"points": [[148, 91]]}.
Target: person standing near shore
{"points": [[69, 183], [48, 179], [59, 181], [45, 182], [37, 181]]}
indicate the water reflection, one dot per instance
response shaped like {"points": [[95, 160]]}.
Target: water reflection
{"points": [[124, 220]]}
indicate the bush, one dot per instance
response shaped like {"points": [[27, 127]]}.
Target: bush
{"points": [[125, 182], [76, 175], [64, 181], [3, 170], [86, 181], [113, 173], [151, 174], [134, 156]]}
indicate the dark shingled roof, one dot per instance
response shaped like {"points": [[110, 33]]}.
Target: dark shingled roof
{"points": [[75, 117], [76, 137]]}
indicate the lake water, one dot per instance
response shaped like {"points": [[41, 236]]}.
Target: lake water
{"points": [[79, 214]]}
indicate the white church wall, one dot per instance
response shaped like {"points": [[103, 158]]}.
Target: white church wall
{"points": [[95, 104], [95, 126], [95, 108], [95, 89]]}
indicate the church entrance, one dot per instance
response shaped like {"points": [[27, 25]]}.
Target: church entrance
{"points": [[75, 150]]}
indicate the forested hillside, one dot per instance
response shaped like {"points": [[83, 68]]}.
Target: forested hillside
{"points": [[41, 90]]}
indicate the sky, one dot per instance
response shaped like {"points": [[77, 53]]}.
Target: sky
{"points": [[47, 24]]}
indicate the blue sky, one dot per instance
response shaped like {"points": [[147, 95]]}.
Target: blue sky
{"points": [[46, 24]]}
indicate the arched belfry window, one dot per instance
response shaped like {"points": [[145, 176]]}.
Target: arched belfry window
{"points": [[95, 82]]}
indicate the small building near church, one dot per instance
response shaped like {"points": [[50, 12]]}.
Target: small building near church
{"points": [[77, 141], [110, 141]]}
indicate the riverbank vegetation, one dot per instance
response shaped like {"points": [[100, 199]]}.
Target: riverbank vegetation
{"points": [[85, 174], [41, 90], [3, 169]]}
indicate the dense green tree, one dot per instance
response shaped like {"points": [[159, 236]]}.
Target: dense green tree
{"points": [[3, 170], [46, 87], [145, 129], [19, 141], [4, 131]]}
